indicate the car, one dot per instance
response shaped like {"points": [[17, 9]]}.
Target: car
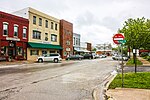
{"points": [[102, 56], [55, 57], [74, 57], [119, 57], [88, 56]]}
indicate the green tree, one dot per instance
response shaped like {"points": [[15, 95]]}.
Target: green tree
{"points": [[137, 33]]}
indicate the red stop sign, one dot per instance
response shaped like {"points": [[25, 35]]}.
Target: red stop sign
{"points": [[117, 38]]}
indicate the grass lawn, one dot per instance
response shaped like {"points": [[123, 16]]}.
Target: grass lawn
{"points": [[131, 62], [132, 80]]}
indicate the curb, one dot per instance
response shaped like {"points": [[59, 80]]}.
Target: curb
{"points": [[106, 85], [100, 94]]}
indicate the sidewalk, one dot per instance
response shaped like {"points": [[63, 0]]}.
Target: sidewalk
{"points": [[128, 94], [145, 62]]}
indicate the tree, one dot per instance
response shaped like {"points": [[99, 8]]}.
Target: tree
{"points": [[137, 32]]}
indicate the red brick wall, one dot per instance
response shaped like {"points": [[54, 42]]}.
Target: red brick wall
{"points": [[11, 20], [66, 33], [89, 46]]}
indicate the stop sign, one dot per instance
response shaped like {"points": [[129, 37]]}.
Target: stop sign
{"points": [[117, 38]]}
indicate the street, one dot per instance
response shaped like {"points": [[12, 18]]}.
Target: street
{"points": [[69, 80]]}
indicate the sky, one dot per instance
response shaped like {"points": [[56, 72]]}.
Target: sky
{"points": [[95, 20]]}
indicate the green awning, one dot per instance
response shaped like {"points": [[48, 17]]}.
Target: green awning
{"points": [[43, 46]]}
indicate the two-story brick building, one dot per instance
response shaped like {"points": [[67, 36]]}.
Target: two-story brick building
{"points": [[66, 38], [44, 32], [13, 36]]}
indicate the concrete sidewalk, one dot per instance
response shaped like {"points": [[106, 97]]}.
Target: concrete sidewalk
{"points": [[144, 61], [128, 94]]}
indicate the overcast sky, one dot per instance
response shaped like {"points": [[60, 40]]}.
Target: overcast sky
{"points": [[95, 20]]}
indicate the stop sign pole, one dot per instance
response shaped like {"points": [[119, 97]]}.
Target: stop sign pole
{"points": [[119, 39]]}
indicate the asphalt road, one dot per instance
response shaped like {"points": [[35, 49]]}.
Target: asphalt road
{"points": [[69, 80]]}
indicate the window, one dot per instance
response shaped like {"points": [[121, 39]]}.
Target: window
{"points": [[55, 26], [46, 36], [36, 34], [67, 42], [46, 23], [15, 30], [24, 32], [34, 52], [34, 19], [20, 51], [44, 53], [5, 29], [73, 40], [53, 38], [40, 21], [51, 25], [4, 50]]}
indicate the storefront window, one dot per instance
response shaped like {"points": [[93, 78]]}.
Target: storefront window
{"points": [[44, 53], [4, 50], [24, 54], [20, 51], [34, 52]]}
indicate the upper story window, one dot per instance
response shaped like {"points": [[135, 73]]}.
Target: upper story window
{"points": [[46, 23], [24, 32], [16, 30], [74, 39], [34, 19], [55, 26], [67, 42], [5, 28], [53, 38], [51, 25], [36, 34], [46, 36], [40, 21]]}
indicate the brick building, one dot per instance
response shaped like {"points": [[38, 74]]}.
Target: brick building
{"points": [[66, 38], [89, 46], [13, 36]]}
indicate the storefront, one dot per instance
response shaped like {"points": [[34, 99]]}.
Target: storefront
{"points": [[13, 37], [35, 50], [13, 50]]}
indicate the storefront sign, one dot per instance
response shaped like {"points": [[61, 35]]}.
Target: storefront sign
{"points": [[13, 39]]}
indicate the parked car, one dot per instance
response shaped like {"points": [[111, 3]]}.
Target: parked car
{"points": [[102, 56], [88, 56], [74, 57], [119, 57], [55, 57]]}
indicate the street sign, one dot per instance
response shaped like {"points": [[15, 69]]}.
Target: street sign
{"points": [[118, 39]]}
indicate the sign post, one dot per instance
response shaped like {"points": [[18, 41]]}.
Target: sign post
{"points": [[119, 39]]}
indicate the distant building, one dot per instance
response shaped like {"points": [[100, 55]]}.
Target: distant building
{"points": [[105, 48], [76, 41], [85, 47], [13, 36], [44, 32], [66, 38]]}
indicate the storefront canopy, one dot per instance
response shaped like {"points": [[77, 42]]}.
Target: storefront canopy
{"points": [[43, 46]]}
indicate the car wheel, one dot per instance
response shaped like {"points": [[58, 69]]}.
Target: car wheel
{"points": [[40, 60], [80, 58], [90, 57], [56, 60]]}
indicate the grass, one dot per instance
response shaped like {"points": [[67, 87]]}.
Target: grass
{"points": [[131, 62], [132, 80], [147, 58]]}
